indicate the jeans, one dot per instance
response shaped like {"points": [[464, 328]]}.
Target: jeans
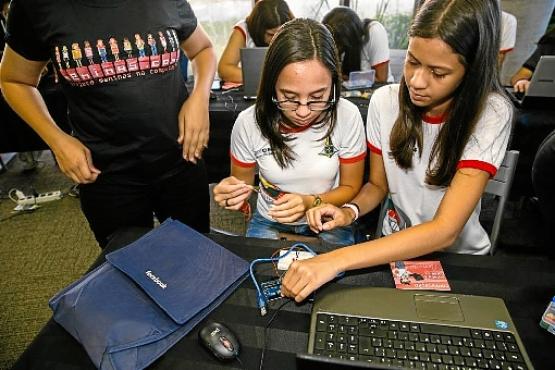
{"points": [[261, 227]]}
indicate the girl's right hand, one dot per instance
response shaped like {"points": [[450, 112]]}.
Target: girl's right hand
{"points": [[327, 217], [231, 193], [521, 86]]}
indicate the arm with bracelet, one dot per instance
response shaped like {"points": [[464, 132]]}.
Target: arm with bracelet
{"points": [[328, 216]]}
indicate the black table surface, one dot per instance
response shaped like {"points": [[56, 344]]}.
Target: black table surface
{"points": [[526, 284]]}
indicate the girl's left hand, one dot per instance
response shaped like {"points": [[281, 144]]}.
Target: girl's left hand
{"points": [[304, 277], [288, 208], [194, 127]]}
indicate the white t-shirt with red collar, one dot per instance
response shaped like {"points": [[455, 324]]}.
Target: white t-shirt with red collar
{"points": [[415, 201], [508, 32], [376, 51], [241, 26], [315, 169]]}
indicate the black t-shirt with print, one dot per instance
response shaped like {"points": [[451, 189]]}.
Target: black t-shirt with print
{"points": [[118, 61]]}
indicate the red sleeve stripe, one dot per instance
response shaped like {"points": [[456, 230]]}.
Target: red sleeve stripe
{"points": [[380, 63], [242, 31], [354, 159], [505, 51], [374, 149], [241, 164], [480, 165]]}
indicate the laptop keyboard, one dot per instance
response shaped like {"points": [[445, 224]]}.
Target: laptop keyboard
{"points": [[415, 345]]}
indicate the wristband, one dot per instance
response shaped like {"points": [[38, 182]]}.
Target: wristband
{"points": [[354, 207]]}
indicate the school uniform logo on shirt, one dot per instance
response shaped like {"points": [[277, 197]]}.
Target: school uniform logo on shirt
{"points": [[90, 62], [394, 219], [329, 149]]}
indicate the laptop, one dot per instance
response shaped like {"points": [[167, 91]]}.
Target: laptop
{"points": [[375, 328], [252, 62], [541, 92]]}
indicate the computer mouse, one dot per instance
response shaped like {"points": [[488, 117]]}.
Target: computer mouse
{"points": [[219, 340]]}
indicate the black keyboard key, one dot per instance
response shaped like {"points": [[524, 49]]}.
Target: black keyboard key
{"points": [[475, 333], [390, 353], [321, 322], [365, 346], [446, 359], [424, 357], [470, 361], [458, 360], [320, 341], [435, 358], [514, 357], [444, 330], [446, 340]]}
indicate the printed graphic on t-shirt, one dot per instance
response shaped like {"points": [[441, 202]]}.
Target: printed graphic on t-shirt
{"points": [[394, 219], [269, 191], [89, 62], [329, 149]]}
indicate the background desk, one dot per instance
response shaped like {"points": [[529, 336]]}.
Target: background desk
{"points": [[526, 285]]}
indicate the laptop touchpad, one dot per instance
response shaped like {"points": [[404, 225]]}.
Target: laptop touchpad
{"points": [[438, 307]]}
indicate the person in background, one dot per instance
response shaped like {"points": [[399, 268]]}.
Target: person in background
{"points": [[362, 44], [508, 36], [29, 160], [546, 46], [306, 142], [138, 135], [256, 30], [435, 140]]}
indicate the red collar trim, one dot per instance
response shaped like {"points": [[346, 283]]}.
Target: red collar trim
{"points": [[293, 130], [434, 119]]}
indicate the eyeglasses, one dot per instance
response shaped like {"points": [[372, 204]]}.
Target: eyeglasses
{"points": [[313, 106]]}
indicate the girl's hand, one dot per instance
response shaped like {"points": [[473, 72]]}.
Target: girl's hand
{"points": [[327, 217], [288, 208], [231, 193], [521, 86], [304, 277]]}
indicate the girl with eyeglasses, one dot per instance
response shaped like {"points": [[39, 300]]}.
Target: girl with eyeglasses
{"points": [[305, 141], [435, 140]]}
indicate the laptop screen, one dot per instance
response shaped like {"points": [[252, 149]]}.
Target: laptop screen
{"points": [[252, 62]]}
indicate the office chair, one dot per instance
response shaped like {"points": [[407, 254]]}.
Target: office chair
{"points": [[499, 186]]}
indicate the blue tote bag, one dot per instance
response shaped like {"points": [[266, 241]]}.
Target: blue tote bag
{"points": [[148, 295]]}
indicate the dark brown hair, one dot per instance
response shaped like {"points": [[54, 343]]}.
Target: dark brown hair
{"points": [[472, 29], [298, 40], [350, 34], [265, 15]]}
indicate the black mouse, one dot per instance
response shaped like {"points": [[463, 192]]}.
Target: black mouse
{"points": [[220, 340]]}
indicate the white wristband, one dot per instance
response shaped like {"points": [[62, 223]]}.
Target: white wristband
{"points": [[354, 207]]}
